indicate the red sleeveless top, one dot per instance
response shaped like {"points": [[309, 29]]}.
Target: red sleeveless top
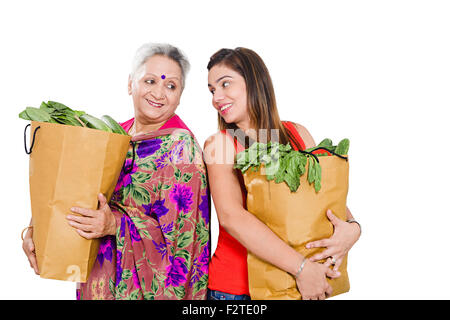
{"points": [[228, 266]]}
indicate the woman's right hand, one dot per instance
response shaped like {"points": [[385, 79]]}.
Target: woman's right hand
{"points": [[28, 248], [312, 281]]}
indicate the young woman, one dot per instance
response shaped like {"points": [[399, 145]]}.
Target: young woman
{"points": [[243, 95]]}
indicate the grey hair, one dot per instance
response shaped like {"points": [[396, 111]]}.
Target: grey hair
{"points": [[148, 50]]}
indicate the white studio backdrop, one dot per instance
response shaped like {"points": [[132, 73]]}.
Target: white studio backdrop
{"points": [[376, 72]]}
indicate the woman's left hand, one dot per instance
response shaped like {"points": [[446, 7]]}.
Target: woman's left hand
{"points": [[93, 223], [344, 237]]}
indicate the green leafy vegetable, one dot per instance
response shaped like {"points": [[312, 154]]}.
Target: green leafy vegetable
{"points": [[56, 112], [342, 147], [115, 127], [24, 115], [283, 164], [94, 123], [38, 114]]}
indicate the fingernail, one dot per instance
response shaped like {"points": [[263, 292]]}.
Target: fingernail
{"points": [[68, 217]]}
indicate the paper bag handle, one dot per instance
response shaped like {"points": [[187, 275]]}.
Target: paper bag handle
{"points": [[332, 152], [128, 169], [25, 138]]}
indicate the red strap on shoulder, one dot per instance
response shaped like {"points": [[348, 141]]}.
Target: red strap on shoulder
{"points": [[293, 131], [288, 125], [237, 146]]}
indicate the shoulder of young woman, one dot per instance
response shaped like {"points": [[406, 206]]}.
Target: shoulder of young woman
{"points": [[306, 136], [219, 149]]}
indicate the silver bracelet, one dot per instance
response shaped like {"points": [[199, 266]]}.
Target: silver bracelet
{"points": [[301, 268], [354, 221]]}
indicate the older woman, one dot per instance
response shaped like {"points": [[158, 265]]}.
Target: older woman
{"points": [[155, 230]]}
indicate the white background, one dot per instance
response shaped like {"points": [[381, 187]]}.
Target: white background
{"points": [[377, 72]]}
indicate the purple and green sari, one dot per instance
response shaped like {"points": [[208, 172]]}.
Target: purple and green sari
{"points": [[161, 249]]}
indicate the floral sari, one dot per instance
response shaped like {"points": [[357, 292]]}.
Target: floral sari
{"points": [[161, 204]]}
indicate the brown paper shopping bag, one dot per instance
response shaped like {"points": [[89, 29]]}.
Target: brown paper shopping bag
{"points": [[297, 218], [69, 166]]}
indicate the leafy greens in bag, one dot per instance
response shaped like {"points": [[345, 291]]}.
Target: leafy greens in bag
{"points": [[55, 112], [282, 163]]}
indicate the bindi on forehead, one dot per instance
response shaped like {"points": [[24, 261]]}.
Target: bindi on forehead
{"points": [[162, 76]]}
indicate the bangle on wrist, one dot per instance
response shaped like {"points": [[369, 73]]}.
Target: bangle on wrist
{"points": [[354, 221], [300, 268]]}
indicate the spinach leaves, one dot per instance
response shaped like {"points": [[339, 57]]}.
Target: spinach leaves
{"points": [[283, 164], [55, 112]]}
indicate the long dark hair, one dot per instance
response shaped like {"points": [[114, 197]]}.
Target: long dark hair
{"points": [[261, 103]]}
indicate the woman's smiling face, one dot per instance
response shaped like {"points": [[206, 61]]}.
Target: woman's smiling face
{"points": [[229, 95], [156, 89]]}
